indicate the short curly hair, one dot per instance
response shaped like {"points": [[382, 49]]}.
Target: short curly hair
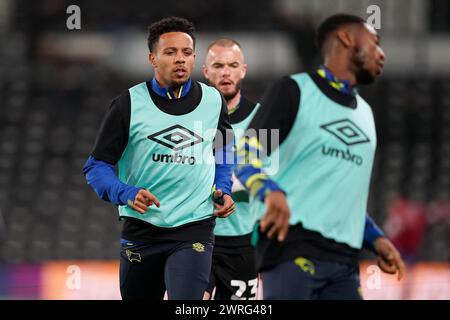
{"points": [[170, 24], [333, 23]]}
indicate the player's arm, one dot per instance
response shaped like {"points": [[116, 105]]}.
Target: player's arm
{"points": [[101, 176], [278, 111], [109, 146], [389, 259], [223, 154]]}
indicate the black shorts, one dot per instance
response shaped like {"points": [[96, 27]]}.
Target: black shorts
{"points": [[147, 270], [233, 275], [312, 279]]}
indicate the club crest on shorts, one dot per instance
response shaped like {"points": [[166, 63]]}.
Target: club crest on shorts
{"points": [[305, 265], [198, 247], [133, 257]]}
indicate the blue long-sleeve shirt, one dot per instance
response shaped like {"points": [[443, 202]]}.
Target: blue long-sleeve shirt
{"points": [[224, 168], [371, 233], [101, 176]]}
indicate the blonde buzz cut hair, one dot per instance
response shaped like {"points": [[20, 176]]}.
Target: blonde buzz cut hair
{"points": [[224, 42]]}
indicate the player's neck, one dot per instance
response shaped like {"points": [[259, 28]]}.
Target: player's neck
{"points": [[174, 90], [234, 102], [341, 71]]}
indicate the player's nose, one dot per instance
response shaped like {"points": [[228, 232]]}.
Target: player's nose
{"points": [[179, 58], [382, 55]]}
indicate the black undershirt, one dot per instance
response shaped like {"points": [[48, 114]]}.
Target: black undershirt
{"points": [[112, 140], [301, 242], [233, 244], [244, 109]]}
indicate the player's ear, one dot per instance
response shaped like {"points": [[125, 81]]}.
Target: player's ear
{"points": [[345, 38], [244, 70], [152, 59], [205, 72]]}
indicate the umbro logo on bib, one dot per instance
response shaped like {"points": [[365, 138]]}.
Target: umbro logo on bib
{"points": [[176, 137], [346, 131]]}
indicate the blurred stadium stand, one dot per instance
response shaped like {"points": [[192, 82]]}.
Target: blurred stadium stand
{"points": [[52, 106]]}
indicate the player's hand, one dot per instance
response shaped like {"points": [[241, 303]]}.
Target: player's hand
{"points": [[389, 259], [276, 217], [224, 204], [143, 200]]}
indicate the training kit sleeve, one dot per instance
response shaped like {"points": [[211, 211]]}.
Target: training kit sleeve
{"points": [[371, 233], [108, 148], [278, 111], [223, 152]]}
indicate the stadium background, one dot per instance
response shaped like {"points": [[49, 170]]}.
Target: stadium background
{"points": [[59, 241]]}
